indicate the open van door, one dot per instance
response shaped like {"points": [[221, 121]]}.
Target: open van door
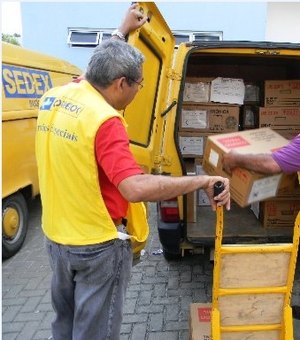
{"points": [[145, 116]]}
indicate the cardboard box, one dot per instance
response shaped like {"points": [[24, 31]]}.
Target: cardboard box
{"points": [[246, 186], [279, 212], [203, 200], [192, 144], [282, 93], [289, 186], [197, 90], [227, 90], [249, 117], [252, 93], [210, 118], [200, 321], [282, 118], [288, 134], [192, 196]]}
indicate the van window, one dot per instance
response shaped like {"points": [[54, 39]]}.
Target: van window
{"points": [[185, 36], [79, 37]]}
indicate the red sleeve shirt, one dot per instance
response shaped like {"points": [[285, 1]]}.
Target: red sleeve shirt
{"points": [[115, 163]]}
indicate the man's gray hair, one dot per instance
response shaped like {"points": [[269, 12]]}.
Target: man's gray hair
{"points": [[113, 59]]}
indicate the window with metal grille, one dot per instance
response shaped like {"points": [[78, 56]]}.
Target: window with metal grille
{"points": [[86, 37], [185, 36]]}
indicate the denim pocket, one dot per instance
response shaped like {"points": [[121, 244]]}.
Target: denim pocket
{"points": [[95, 263]]}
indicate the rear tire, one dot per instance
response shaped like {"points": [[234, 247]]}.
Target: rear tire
{"points": [[171, 256], [14, 224]]}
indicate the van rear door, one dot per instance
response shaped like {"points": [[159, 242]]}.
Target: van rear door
{"points": [[146, 114]]}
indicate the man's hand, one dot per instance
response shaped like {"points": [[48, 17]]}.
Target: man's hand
{"points": [[223, 198], [133, 19], [229, 161]]}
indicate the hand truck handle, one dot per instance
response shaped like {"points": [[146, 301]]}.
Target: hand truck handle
{"points": [[218, 188]]}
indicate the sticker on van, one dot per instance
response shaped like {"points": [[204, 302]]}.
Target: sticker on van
{"points": [[20, 82]]}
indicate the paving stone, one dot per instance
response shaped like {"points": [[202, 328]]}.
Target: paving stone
{"points": [[157, 300]]}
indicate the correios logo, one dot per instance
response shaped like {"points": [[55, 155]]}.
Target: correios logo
{"points": [[64, 105]]}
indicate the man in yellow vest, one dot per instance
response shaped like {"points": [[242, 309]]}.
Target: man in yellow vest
{"points": [[88, 180]]}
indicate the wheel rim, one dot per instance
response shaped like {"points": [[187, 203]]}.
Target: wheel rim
{"points": [[11, 223]]}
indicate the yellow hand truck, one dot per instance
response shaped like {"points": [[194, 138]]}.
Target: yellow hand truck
{"points": [[252, 286]]}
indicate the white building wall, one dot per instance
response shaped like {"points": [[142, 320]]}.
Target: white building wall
{"points": [[283, 22], [45, 24]]}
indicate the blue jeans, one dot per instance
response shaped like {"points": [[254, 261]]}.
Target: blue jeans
{"points": [[88, 289]]}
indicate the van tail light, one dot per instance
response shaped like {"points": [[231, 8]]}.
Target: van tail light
{"points": [[169, 211]]}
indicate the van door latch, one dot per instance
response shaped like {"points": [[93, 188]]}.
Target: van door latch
{"points": [[172, 74]]}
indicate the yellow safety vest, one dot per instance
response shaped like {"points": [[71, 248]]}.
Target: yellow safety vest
{"points": [[73, 210]]}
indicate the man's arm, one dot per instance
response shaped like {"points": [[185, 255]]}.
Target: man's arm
{"points": [[263, 163], [133, 20], [150, 188]]}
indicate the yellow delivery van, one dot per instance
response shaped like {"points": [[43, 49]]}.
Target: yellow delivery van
{"points": [[26, 75], [202, 88]]}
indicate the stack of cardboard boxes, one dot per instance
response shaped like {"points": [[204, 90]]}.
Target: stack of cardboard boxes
{"points": [[279, 121], [210, 106], [281, 112], [216, 106]]}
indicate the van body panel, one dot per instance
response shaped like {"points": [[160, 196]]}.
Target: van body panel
{"points": [[26, 76], [18, 152], [254, 62], [144, 114]]}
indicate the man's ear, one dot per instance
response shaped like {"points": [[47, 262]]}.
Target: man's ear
{"points": [[121, 82]]}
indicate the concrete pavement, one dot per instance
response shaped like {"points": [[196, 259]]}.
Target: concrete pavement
{"points": [[157, 300]]}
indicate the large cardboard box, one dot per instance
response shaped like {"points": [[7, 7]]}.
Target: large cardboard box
{"points": [[200, 321], [197, 90], [192, 196], [279, 212], [202, 200], [210, 118], [227, 90], [289, 186], [252, 93], [192, 144], [282, 92], [279, 117], [246, 186]]}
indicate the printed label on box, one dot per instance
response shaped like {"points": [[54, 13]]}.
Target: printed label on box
{"points": [[233, 142], [194, 119], [204, 314], [196, 92], [227, 90], [191, 145], [213, 158], [264, 188]]}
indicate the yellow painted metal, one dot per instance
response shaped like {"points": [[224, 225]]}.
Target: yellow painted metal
{"points": [[243, 291], [286, 326], [248, 248], [26, 75], [215, 320], [293, 260], [10, 222], [288, 329], [255, 328]]}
